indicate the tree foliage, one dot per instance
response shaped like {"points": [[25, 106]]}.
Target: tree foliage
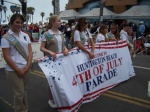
{"points": [[30, 10]]}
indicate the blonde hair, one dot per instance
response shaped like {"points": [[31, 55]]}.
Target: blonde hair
{"points": [[52, 19]]}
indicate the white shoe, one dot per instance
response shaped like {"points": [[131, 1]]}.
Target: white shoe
{"points": [[52, 104], [134, 55]]}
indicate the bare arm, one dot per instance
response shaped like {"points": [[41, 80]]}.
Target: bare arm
{"points": [[43, 49], [113, 39], [92, 45], [107, 39], [129, 45], [65, 51], [11, 63], [79, 45]]}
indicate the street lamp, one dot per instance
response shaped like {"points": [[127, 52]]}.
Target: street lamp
{"points": [[5, 8], [2, 8], [15, 8], [33, 10], [18, 9]]}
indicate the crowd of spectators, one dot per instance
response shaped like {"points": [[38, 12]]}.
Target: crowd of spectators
{"points": [[136, 35]]}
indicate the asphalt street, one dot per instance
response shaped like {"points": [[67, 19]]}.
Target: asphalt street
{"points": [[128, 96]]}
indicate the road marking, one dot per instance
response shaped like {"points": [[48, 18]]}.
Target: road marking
{"points": [[112, 94], [6, 102], [127, 100], [128, 97], [35, 72], [38, 73], [146, 68]]}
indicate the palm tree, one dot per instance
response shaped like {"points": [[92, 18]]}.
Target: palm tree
{"points": [[5, 8], [42, 14], [30, 11], [13, 8], [18, 9], [51, 14], [53, 4], [66, 7]]}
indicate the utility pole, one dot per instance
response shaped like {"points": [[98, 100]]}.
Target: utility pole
{"points": [[57, 7], [24, 11], [26, 15], [101, 11], [2, 2]]}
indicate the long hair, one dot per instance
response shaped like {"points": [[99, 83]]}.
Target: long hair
{"points": [[80, 24], [116, 33], [132, 35], [52, 19], [114, 25]]}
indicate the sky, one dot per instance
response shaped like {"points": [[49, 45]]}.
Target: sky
{"points": [[39, 5]]}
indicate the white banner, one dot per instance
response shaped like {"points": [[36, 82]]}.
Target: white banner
{"points": [[75, 79], [2, 61]]}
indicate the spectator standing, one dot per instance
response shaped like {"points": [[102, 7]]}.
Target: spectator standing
{"points": [[67, 34], [40, 27], [36, 28], [141, 29], [135, 28], [31, 28]]}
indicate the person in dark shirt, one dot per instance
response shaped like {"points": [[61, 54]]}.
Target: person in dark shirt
{"points": [[68, 34]]}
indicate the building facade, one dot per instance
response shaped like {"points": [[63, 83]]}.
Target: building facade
{"points": [[117, 6], [120, 6]]}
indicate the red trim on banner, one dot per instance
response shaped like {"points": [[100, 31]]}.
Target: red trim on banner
{"points": [[111, 43], [103, 45], [112, 47], [83, 99]]}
